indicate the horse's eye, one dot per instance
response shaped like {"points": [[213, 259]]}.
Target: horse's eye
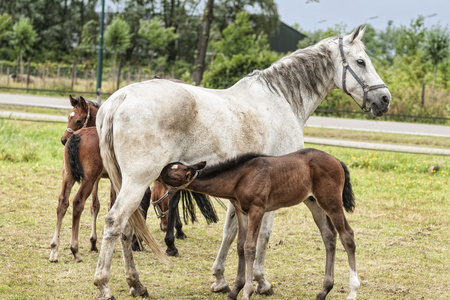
{"points": [[79, 121], [361, 62]]}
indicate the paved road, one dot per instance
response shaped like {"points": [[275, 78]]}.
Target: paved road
{"points": [[324, 122]]}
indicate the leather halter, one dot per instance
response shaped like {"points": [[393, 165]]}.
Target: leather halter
{"points": [[70, 130], [366, 88], [158, 211]]}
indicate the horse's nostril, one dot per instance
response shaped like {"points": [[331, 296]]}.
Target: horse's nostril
{"points": [[385, 99]]}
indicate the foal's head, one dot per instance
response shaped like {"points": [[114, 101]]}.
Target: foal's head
{"points": [[78, 117], [178, 175]]}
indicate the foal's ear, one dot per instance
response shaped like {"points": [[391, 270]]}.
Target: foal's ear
{"points": [[357, 34], [83, 103], [74, 102], [200, 165]]}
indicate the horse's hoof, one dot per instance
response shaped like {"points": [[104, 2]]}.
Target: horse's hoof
{"points": [[269, 292], [181, 236], [135, 293], [172, 252], [222, 290], [53, 260], [94, 249]]}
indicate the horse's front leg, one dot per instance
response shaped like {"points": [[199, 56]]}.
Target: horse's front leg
{"points": [[131, 274], [263, 287], [63, 204], [95, 208], [169, 238], [229, 234], [240, 277]]}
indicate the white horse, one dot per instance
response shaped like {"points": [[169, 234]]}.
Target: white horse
{"points": [[144, 126]]}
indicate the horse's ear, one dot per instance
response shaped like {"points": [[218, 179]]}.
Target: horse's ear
{"points": [[200, 165], [357, 34], [83, 103], [73, 101]]}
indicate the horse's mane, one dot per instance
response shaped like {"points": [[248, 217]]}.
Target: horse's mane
{"points": [[305, 70], [214, 170], [95, 104]]}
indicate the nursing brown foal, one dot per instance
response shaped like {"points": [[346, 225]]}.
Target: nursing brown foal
{"points": [[256, 183]]}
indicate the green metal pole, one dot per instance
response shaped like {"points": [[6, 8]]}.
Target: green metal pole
{"points": [[100, 55]]}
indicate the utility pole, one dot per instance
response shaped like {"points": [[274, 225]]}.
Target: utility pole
{"points": [[100, 55]]}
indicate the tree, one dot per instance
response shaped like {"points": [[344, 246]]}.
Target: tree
{"points": [[199, 64], [117, 37], [157, 36], [240, 38], [5, 28], [437, 47], [410, 38], [23, 38]]}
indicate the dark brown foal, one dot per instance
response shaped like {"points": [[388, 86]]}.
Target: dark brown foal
{"points": [[256, 184]]}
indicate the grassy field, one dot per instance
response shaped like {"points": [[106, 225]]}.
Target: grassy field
{"points": [[401, 224]]}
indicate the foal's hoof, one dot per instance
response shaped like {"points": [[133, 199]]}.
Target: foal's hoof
{"points": [[172, 252]]}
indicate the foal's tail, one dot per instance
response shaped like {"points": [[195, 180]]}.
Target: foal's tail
{"points": [[347, 194], [203, 202], [73, 156], [104, 123]]}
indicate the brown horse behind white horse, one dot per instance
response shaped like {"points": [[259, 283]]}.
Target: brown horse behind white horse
{"points": [[256, 184]]}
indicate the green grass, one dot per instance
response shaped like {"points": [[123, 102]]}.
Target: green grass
{"points": [[401, 224]]}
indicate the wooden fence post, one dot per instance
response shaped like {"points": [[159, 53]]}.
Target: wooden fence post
{"points": [[423, 93], [7, 76], [28, 72], [74, 71]]}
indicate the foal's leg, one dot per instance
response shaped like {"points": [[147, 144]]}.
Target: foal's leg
{"points": [[63, 204], [95, 208], [179, 226], [240, 277], [229, 234], [348, 241], [131, 274], [169, 238], [255, 216], [329, 239], [78, 207]]}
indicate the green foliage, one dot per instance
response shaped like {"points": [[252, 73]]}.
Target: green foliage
{"points": [[156, 35], [228, 71], [117, 35], [411, 38], [23, 36], [239, 38], [5, 26]]}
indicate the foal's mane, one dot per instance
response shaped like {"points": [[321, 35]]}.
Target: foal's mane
{"points": [[95, 104], [229, 164], [305, 70]]}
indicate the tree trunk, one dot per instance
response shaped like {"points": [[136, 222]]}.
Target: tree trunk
{"points": [[199, 65], [434, 80]]}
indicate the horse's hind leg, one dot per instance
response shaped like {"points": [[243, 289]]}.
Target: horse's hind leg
{"points": [[63, 204], [229, 234], [329, 235], [145, 203], [115, 222], [131, 274], [95, 208], [78, 207], [347, 239]]}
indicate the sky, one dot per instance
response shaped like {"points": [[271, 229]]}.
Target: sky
{"points": [[353, 13]]}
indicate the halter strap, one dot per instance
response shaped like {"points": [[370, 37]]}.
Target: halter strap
{"points": [[366, 88], [158, 211]]}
